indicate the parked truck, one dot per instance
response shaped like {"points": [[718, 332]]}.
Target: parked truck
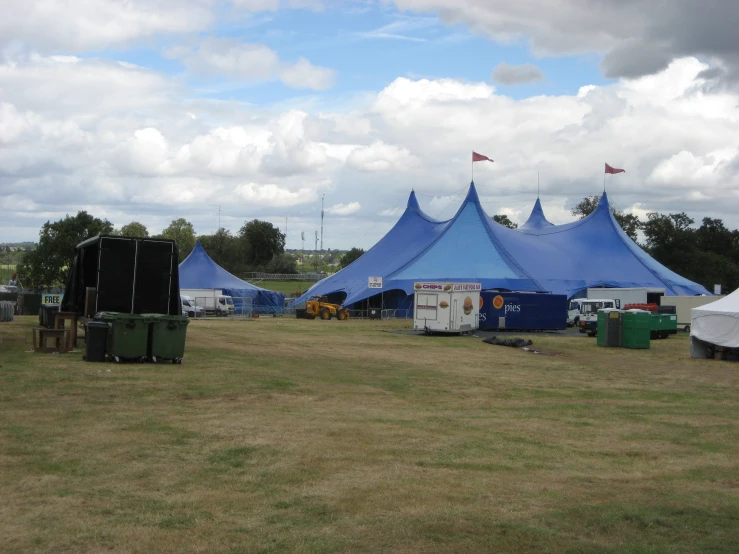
{"points": [[589, 313], [634, 295], [213, 300], [683, 305], [573, 311]]}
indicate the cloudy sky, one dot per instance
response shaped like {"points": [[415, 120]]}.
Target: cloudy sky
{"points": [[150, 110]]}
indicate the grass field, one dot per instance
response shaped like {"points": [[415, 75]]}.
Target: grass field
{"points": [[289, 288], [284, 435], [6, 272]]}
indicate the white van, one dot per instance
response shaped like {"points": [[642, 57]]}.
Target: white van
{"points": [[190, 307]]}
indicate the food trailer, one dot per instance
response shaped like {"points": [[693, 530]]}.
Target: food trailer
{"points": [[446, 307]]}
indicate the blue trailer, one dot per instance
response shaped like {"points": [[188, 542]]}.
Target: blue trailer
{"points": [[526, 311]]}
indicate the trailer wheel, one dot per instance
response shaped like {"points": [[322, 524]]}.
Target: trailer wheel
{"points": [[687, 328], [325, 313]]}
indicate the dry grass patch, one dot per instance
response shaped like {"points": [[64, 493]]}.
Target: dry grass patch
{"points": [[283, 435]]}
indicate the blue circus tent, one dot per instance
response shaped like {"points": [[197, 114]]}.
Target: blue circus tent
{"points": [[199, 271], [471, 247], [536, 220], [408, 237], [599, 253]]}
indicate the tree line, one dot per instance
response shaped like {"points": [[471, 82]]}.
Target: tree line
{"points": [[258, 246], [708, 254]]}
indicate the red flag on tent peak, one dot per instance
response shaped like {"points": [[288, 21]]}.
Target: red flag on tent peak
{"points": [[613, 170], [479, 157]]}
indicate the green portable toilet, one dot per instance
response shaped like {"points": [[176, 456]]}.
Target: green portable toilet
{"points": [[167, 335], [636, 329], [609, 327], [128, 336]]}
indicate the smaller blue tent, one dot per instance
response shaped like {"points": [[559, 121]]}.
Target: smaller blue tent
{"points": [[199, 271]]}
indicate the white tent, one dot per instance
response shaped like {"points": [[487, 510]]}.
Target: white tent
{"points": [[715, 324]]}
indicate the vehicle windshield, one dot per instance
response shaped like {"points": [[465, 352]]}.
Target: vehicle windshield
{"points": [[590, 307], [186, 303]]}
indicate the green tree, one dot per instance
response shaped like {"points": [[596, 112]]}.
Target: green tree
{"points": [[48, 264], [671, 241], [713, 236], [283, 263], [350, 256], [505, 221], [669, 234], [134, 230], [261, 242], [628, 222], [183, 233], [224, 249]]}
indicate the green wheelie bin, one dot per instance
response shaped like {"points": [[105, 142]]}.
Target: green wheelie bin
{"points": [[167, 335], [128, 336]]}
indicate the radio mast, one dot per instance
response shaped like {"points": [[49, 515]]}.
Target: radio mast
{"points": [[322, 221]]}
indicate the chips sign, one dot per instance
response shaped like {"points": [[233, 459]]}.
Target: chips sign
{"points": [[374, 282]]}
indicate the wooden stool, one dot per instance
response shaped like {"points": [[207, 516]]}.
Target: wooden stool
{"points": [[59, 323], [42, 335]]}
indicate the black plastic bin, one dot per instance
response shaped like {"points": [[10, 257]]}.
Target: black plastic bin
{"points": [[96, 341]]}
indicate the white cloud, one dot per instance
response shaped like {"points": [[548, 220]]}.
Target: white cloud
{"points": [[391, 212], [304, 74], [344, 209], [379, 156], [516, 74], [145, 153], [231, 58], [120, 138], [226, 57], [638, 37], [273, 195], [98, 24]]}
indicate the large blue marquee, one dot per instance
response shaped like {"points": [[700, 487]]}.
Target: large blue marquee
{"points": [[472, 247]]}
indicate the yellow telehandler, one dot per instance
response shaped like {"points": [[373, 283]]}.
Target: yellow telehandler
{"points": [[318, 307]]}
